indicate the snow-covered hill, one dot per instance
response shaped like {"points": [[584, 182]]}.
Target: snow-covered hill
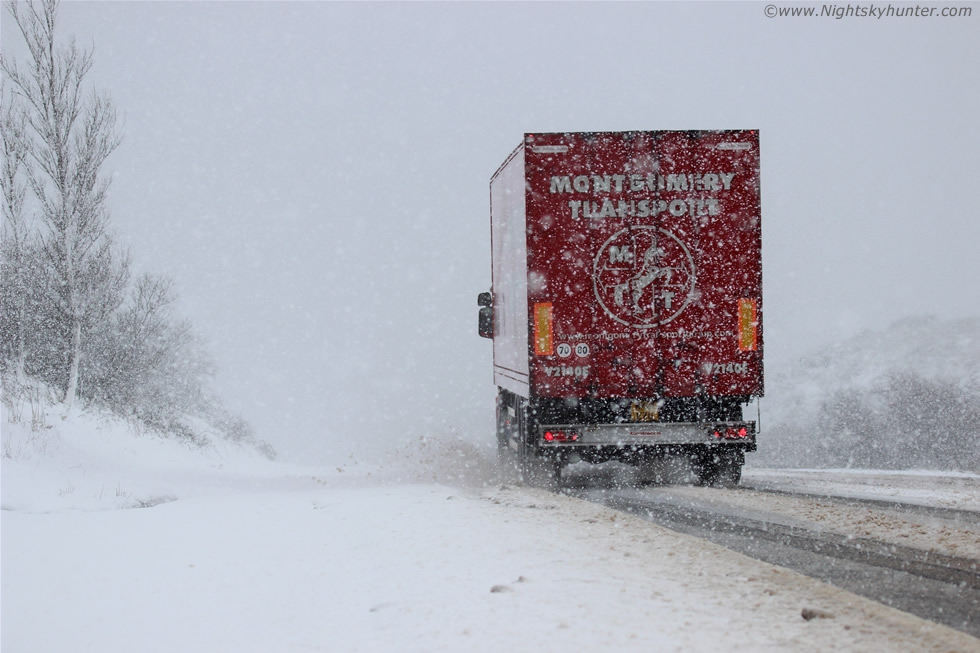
{"points": [[906, 397], [90, 459]]}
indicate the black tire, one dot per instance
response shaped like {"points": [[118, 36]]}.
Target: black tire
{"points": [[729, 472], [721, 470], [508, 465], [531, 468], [665, 469], [502, 427], [651, 472], [543, 472], [537, 470], [705, 472], [507, 458]]}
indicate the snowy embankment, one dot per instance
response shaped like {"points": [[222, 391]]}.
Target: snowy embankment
{"points": [[952, 490], [120, 543], [905, 397]]}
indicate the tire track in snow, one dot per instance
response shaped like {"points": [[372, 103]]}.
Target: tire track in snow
{"points": [[942, 588]]}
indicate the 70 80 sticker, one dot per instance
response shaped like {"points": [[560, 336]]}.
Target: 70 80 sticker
{"points": [[564, 350]]}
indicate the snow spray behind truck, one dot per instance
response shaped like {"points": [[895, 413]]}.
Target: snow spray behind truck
{"points": [[626, 300]]}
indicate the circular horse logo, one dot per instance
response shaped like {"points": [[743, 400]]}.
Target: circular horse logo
{"points": [[643, 276]]}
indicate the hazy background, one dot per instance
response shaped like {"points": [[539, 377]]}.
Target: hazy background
{"points": [[315, 176]]}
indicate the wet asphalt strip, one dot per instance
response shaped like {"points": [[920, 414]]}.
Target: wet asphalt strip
{"points": [[940, 588]]}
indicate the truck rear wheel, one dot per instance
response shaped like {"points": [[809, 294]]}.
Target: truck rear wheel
{"points": [[539, 471], [722, 469], [665, 469], [507, 458], [507, 462], [729, 472], [653, 471]]}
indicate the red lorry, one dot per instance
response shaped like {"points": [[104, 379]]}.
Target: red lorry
{"points": [[626, 300]]}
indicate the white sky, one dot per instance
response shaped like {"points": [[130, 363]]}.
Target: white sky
{"points": [[315, 175]]}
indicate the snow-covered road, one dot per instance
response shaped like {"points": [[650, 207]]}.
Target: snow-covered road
{"points": [[918, 558], [247, 555], [955, 491], [947, 532], [410, 568]]}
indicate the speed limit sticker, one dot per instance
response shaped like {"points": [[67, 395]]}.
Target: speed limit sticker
{"points": [[564, 350], [582, 350]]}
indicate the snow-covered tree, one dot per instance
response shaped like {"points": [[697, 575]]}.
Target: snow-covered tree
{"points": [[67, 139], [68, 316], [17, 243], [147, 363]]}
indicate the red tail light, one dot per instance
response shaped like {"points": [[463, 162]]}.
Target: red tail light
{"points": [[560, 436], [731, 433]]}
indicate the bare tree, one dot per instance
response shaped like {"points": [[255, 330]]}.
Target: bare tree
{"points": [[15, 256], [69, 139], [132, 358], [65, 319]]}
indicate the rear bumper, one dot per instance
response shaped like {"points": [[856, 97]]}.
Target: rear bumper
{"points": [[659, 434]]}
